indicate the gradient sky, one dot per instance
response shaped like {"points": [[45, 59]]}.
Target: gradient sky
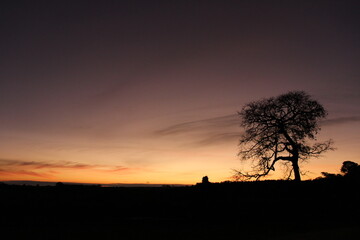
{"points": [[147, 91]]}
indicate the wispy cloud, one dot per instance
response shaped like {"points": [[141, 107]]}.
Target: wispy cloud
{"points": [[205, 132], [340, 120], [219, 138], [4, 172], [48, 169], [210, 124], [224, 129], [48, 165]]}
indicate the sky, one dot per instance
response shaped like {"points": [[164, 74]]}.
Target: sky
{"points": [[148, 91]]}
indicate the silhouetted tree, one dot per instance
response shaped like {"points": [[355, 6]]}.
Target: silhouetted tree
{"points": [[279, 129], [350, 169]]}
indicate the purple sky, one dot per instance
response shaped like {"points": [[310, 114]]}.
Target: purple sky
{"points": [[152, 87]]}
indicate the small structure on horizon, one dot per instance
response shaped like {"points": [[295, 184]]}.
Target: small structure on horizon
{"points": [[205, 180]]}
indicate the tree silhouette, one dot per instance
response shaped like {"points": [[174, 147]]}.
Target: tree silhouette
{"points": [[350, 169], [280, 129]]}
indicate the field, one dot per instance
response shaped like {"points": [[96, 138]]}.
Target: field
{"points": [[249, 210]]}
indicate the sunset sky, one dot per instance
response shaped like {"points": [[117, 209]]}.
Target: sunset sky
{"points": [[148, 91]]}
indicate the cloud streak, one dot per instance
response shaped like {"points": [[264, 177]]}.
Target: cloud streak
{"points": [[210, 131], [47, 169], [210, 124], [341, 120], [224, 129], [219, 139], [24, 172], [42, 165]]}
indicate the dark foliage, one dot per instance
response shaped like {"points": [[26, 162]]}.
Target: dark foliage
{"points": [[349, 169]]}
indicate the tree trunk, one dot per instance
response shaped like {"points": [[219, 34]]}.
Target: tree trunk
{"points": [[296, 170]]}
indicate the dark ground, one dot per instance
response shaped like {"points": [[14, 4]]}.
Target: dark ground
{"points": [[253, 210]]}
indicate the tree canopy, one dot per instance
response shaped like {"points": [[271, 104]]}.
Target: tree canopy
{"points": [[280, 129], [350, 169]]}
